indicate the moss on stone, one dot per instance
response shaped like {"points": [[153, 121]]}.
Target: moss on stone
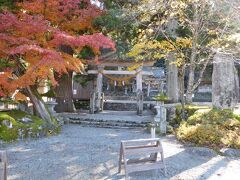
{"points": [[12, 133]]}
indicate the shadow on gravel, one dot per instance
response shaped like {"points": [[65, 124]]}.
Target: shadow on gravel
{"points": [[183, 161], [220, 164]]}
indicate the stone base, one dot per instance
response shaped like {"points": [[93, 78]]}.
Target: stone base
{"points": [[110, 119]]}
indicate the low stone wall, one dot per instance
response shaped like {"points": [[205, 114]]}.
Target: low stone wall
{"points": [[122, 107]]}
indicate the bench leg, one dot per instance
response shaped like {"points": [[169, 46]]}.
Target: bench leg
{"points": [[164, 166], [120, 160], [124, 160], [3, 165]]}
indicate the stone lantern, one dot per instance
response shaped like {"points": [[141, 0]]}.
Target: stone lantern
{"points": [[159, 120]]}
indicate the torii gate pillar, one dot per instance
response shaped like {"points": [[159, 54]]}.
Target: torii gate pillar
{"points": [[139, 79], [99, 87]]}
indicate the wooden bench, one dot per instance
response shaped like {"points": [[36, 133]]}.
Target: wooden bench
{"points": [[3, 165], [148, 147]]}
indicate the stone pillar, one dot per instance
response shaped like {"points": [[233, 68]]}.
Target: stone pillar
{"points": [[161, 118], [225, 82], [172, 80], [139, 80], [153, 131]]}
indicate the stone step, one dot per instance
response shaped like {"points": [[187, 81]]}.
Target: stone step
{"points": [[107, 123]]}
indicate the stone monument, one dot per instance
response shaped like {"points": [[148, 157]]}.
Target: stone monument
{"points": [[225, 81]]}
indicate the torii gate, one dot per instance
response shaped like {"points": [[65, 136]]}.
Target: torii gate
{"points": [[139, 75], [172, 76]]}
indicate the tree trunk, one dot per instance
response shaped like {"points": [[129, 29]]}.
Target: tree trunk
{"points": [[39, 106], [64, 89], [182, 90], [189, 94], [192, 66], [64, 94]]}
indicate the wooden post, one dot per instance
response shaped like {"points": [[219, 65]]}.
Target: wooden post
{"points": [[92, 103], [99, 82], [125, 90], [102, 102], [3, 165], [139, 103], [149, 88], [139, 92], [139, 79]]}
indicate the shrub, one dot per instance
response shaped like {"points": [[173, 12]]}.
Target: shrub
{"points": [[189, 111], [161, 97], [214, 128]]}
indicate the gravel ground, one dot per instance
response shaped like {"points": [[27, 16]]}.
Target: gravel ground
{"points": [[81, 153]]}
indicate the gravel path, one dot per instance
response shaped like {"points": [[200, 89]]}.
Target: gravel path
{"points": [[81, 153]]}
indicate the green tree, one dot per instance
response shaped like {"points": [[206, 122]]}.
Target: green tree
{"points": [[191, 30], [116, 23]]}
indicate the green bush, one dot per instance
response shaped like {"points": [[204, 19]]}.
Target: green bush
{"points": [[214, 128], [10, 134], [189, 111], [161, 97]]}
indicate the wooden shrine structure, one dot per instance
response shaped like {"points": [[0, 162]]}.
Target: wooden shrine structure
{"points": [[143, 82]]}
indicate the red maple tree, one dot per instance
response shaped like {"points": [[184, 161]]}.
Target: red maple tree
{"points": [[30, 39]]}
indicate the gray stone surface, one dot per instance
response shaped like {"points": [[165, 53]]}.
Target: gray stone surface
{"points": [[230, 152], [82, 153], [120, 106], [225, 82], [201, 151]]}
